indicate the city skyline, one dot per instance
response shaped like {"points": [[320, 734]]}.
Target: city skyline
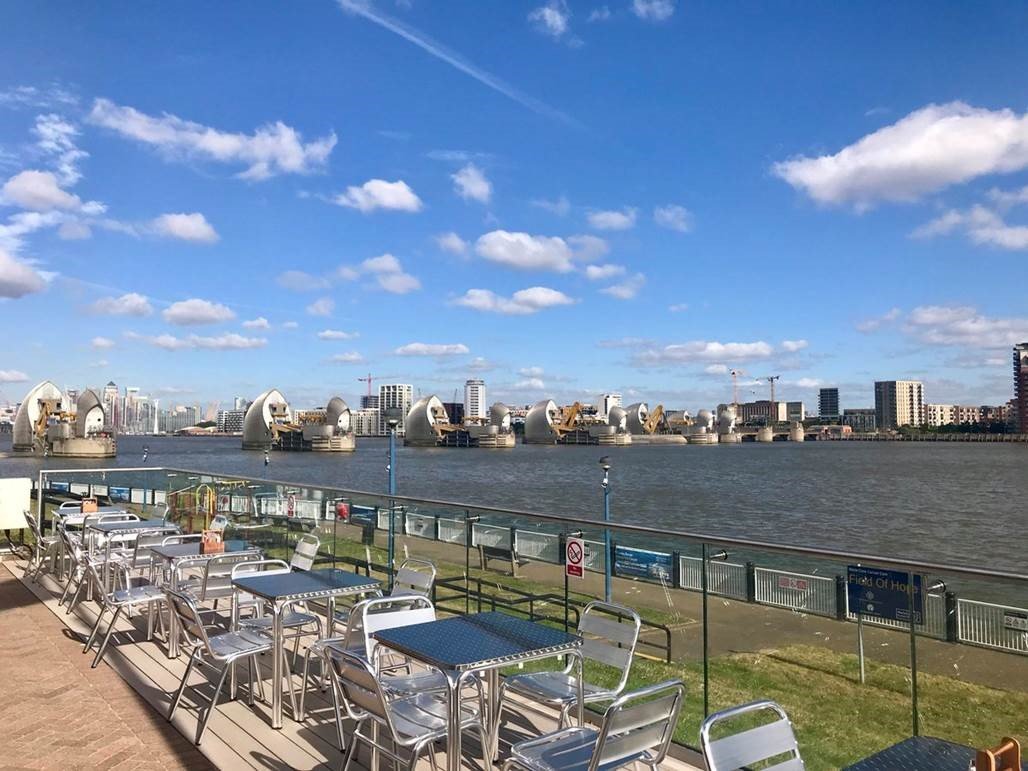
{"points": [[561, 239]]}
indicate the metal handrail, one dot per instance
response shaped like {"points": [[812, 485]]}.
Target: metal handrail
{"points": [[575, 523]]}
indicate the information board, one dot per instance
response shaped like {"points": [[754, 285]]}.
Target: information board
{"points": [[884, 593], [642, 563]]}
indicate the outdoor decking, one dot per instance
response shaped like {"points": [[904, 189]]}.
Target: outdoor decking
{"points": [[136, 734]]}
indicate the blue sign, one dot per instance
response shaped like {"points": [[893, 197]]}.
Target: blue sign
{"points": [[883, 594], [118, 493], [641, 563], [364, 515], [60, 486]]}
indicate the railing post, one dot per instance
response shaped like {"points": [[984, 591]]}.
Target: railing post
{"points": [[840, 598], [676, 569], [952, 618], [610, 557], [751, 582]]}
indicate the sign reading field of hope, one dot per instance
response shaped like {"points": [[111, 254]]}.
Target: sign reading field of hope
{"points": [[884, 593]]}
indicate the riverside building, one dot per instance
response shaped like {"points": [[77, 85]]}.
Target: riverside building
{"points": [[1021, 386], [899, 403], [398, 396], [828, 403], [474, 402]]}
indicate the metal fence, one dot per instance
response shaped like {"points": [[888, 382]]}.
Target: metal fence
{"points": [[726, 579], [816, 595], [934, 618], [993, 626]]}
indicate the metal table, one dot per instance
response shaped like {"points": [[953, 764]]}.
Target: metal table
{"points": [[72, 517], [177, 555], [920, 753], [480, 642], [283, 589], [125, 528]]}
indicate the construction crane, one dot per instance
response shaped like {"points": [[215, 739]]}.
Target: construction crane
{"points": [[771, 379], [735, 385], [654, 419], [568, 417], [369, 379]]}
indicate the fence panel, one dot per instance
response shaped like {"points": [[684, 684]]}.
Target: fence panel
{"points": [[993, 626], [594, 556], [491, 535], [420, 526], [452, 530], [541, 546], [796, 591], [934, 622], [725, 579], [78, 488]]}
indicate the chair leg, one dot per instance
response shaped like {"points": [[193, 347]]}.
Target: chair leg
{"points": [[304, 683], [214, 703], [96, 628], [288, 672], [107, 637], [67, 590], [338, 710], [182, 686], [77, 595], [351, 750]]}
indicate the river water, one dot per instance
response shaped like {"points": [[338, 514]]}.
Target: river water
{"points": [[950, 502]]}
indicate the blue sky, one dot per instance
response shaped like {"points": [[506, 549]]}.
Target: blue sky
{"points": [[562, 198]]}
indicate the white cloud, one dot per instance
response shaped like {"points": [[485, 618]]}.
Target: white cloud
{"points": [[389, 274], [351, 357], [38, 191], [928, 150], [101, 343], [432, 349], [525, 252], [1007, 198], [452, 243], [872, 324], [23, 223], [653, 10], [673, 217], [627, 289], [792, 346], [588, 248], [963, 325], [196, 311], [13, 376], [529, 384], [807, 382], [99, 363], [272, 149], [531, 372], [258, 323], [131, 304], [560, 207], [703, 350], [336, 334], [480, 364], [678, 307], [74, 230], [186, 227], [299, 281], [289, 325], [551, 19], [51, 97], [983, 226], [603, 272], [322, 307], [602, 13], [716, 369], [55, 137], [18, 278], [379, 194], [627, 342], [470, 183], [226, 342], [613, 219], [521, 303]]}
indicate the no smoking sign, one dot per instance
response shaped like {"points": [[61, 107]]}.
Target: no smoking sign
{"points": [[574, 557]]}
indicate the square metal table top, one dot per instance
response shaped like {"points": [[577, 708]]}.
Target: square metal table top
{"points": [[305, 584], [191, 550], [76, 511], [919, 753], [477, 641], [131, 526]]}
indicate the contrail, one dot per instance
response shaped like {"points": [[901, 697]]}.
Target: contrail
{"points": [[455, 60]]}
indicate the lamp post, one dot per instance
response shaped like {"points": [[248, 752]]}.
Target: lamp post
{"points": [[605, 484], [392, 421]]}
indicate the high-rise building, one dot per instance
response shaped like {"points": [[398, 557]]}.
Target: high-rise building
{"points": [[231, 421], [475, 407], [365, 421], [763, 412], [607, 401], [455, 412], [240, 403], [394, 396], [369, 402], [1021, 386], [828, 403], [899, 403], [795, 412], [112, 405]]}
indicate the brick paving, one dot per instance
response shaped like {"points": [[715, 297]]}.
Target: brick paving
{"points": [[56, 712]]}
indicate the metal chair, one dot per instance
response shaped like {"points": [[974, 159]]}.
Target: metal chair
{"points": [[47, 549], [119, 600], [413, 721], [306, 552], [636, 728], [607, 641], [770, 741], [414, 578], [224, 649]]}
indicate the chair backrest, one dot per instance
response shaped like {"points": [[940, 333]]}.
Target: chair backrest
{"points": [[190, 623], [378, 613], [414, 577], [70, 505], [141, 553], [1005, 757], [219, 567], [119, 517], [30, 520], [745, 748], [609, 640], [360, 687], [305, 553], [638, 723], [170, 540], [251, 565]]}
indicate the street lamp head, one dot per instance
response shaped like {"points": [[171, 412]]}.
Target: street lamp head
{"points": [[605, 463], [392, 422]]}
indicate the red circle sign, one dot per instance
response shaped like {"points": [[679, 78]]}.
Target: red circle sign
{"points": [[574, 553]]}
